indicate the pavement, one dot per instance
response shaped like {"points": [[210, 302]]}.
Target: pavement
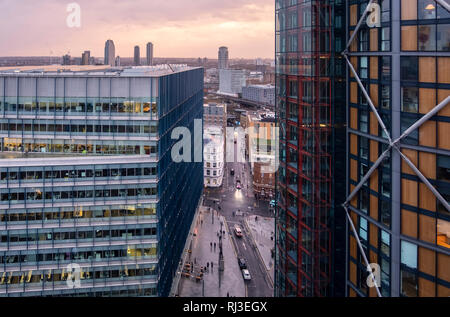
{"points": [[214, 283], [262, 232]]}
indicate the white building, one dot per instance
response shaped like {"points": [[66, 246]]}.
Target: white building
{"points": [[231, 81], [213, 150], [223, 57], [264, 94], [110, 53]]}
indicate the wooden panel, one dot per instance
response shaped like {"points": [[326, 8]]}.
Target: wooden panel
{"points": [[409, 223], [427, 229], [426, 288], [351, 292], [353, 170], [427, 200], [443, 70], [374, 240], [443, 267], [443, 291], [412, 155], [374, 94], [409, 9], [354, 45], [427, 134], [353, 144], [353, 15], [428, 164], [354, 62], [409, 38], [353, 247], [354, 93], [427, 100], [373, 124], [373, 151], [409, 192], [354, 201], [427, 69], [442, 94], [427, 261], [353, 118], [374, 40], [374, 207], [352, 273], [374, 181], [443, 135], [374, 67]]}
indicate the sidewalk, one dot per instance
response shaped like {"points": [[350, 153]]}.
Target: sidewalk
{"points": [[231, 281], [262, 230]]}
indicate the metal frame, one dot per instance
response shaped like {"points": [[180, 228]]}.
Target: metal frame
{"points": [[392, 144]]}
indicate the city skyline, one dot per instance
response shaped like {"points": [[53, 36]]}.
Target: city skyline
{"points": [[195, 29]]}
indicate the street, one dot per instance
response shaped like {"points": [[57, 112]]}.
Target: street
{"points": [[235, 205]]}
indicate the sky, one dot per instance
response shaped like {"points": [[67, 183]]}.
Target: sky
{"points": [[177, 28]]}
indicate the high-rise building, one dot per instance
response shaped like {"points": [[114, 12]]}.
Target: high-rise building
{"points": [[393, 79], [149, 54], [118, 61], [95, 189], [223, 57], [231, 81], [66, 60], [264, 94], [85, 58], [214, 155], [110, 53], [137, 56], [399, 148], [310, 99]]}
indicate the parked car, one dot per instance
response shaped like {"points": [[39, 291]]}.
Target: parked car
{"points": [[232, 172], [238, 231], [246, 275], [242, 264]]}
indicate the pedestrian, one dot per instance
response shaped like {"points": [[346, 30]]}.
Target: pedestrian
{"points": [[228, 294], [202, 222], [214, 247], [212, 265], [210, 245]]}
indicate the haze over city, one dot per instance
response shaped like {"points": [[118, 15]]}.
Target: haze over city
{"points": [[195, 28]]}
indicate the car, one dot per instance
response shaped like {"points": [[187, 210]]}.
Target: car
{"points": [[246, 275], [242, 264], [238, 231], [238, 185], [232, 172]]}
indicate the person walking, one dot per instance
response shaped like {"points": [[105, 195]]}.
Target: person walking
{"points": [[214, 247], [211, 245]]}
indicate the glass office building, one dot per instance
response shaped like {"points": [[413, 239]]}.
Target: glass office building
{"points": [[87, 178], [310, 103], [404, 65]]}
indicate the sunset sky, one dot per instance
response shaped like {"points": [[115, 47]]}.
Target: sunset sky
{"points": [[177, 28]]}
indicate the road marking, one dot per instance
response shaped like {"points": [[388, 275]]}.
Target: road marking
{"points": [[244, 246]]}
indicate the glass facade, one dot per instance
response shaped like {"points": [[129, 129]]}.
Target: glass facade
{"points": [[310, 102], [404, 66], [86, 178]]}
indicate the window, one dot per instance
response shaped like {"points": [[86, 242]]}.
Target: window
{"points": [[410, 99], [443, 169], [427, 9], [409, 68], [427, 37], [409, 282]]}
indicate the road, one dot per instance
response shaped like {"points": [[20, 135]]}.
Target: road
{"points": [[228, 200]]}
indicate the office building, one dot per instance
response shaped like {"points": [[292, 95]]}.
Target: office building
{"points": [[137, 56], [86, 58], [231, 81], [215, 115], [110, 53], [401, 213], [149, 54], [310, 103], [261, 152], [397, 89], [66, 60], [117, 61], [214, 157], [87, 178], [223, 58], [263, 94]]}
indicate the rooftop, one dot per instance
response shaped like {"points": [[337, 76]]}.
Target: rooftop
{"points": [[95, 70]]}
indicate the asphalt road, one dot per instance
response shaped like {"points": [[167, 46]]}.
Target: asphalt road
{"points": [[228, 200]]}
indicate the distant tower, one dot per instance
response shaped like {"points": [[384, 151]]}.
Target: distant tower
{"points": [[149, 54], [118, 61], [110, 53], [223, 57], [66, 59], [137, 56], [85, 58]]}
